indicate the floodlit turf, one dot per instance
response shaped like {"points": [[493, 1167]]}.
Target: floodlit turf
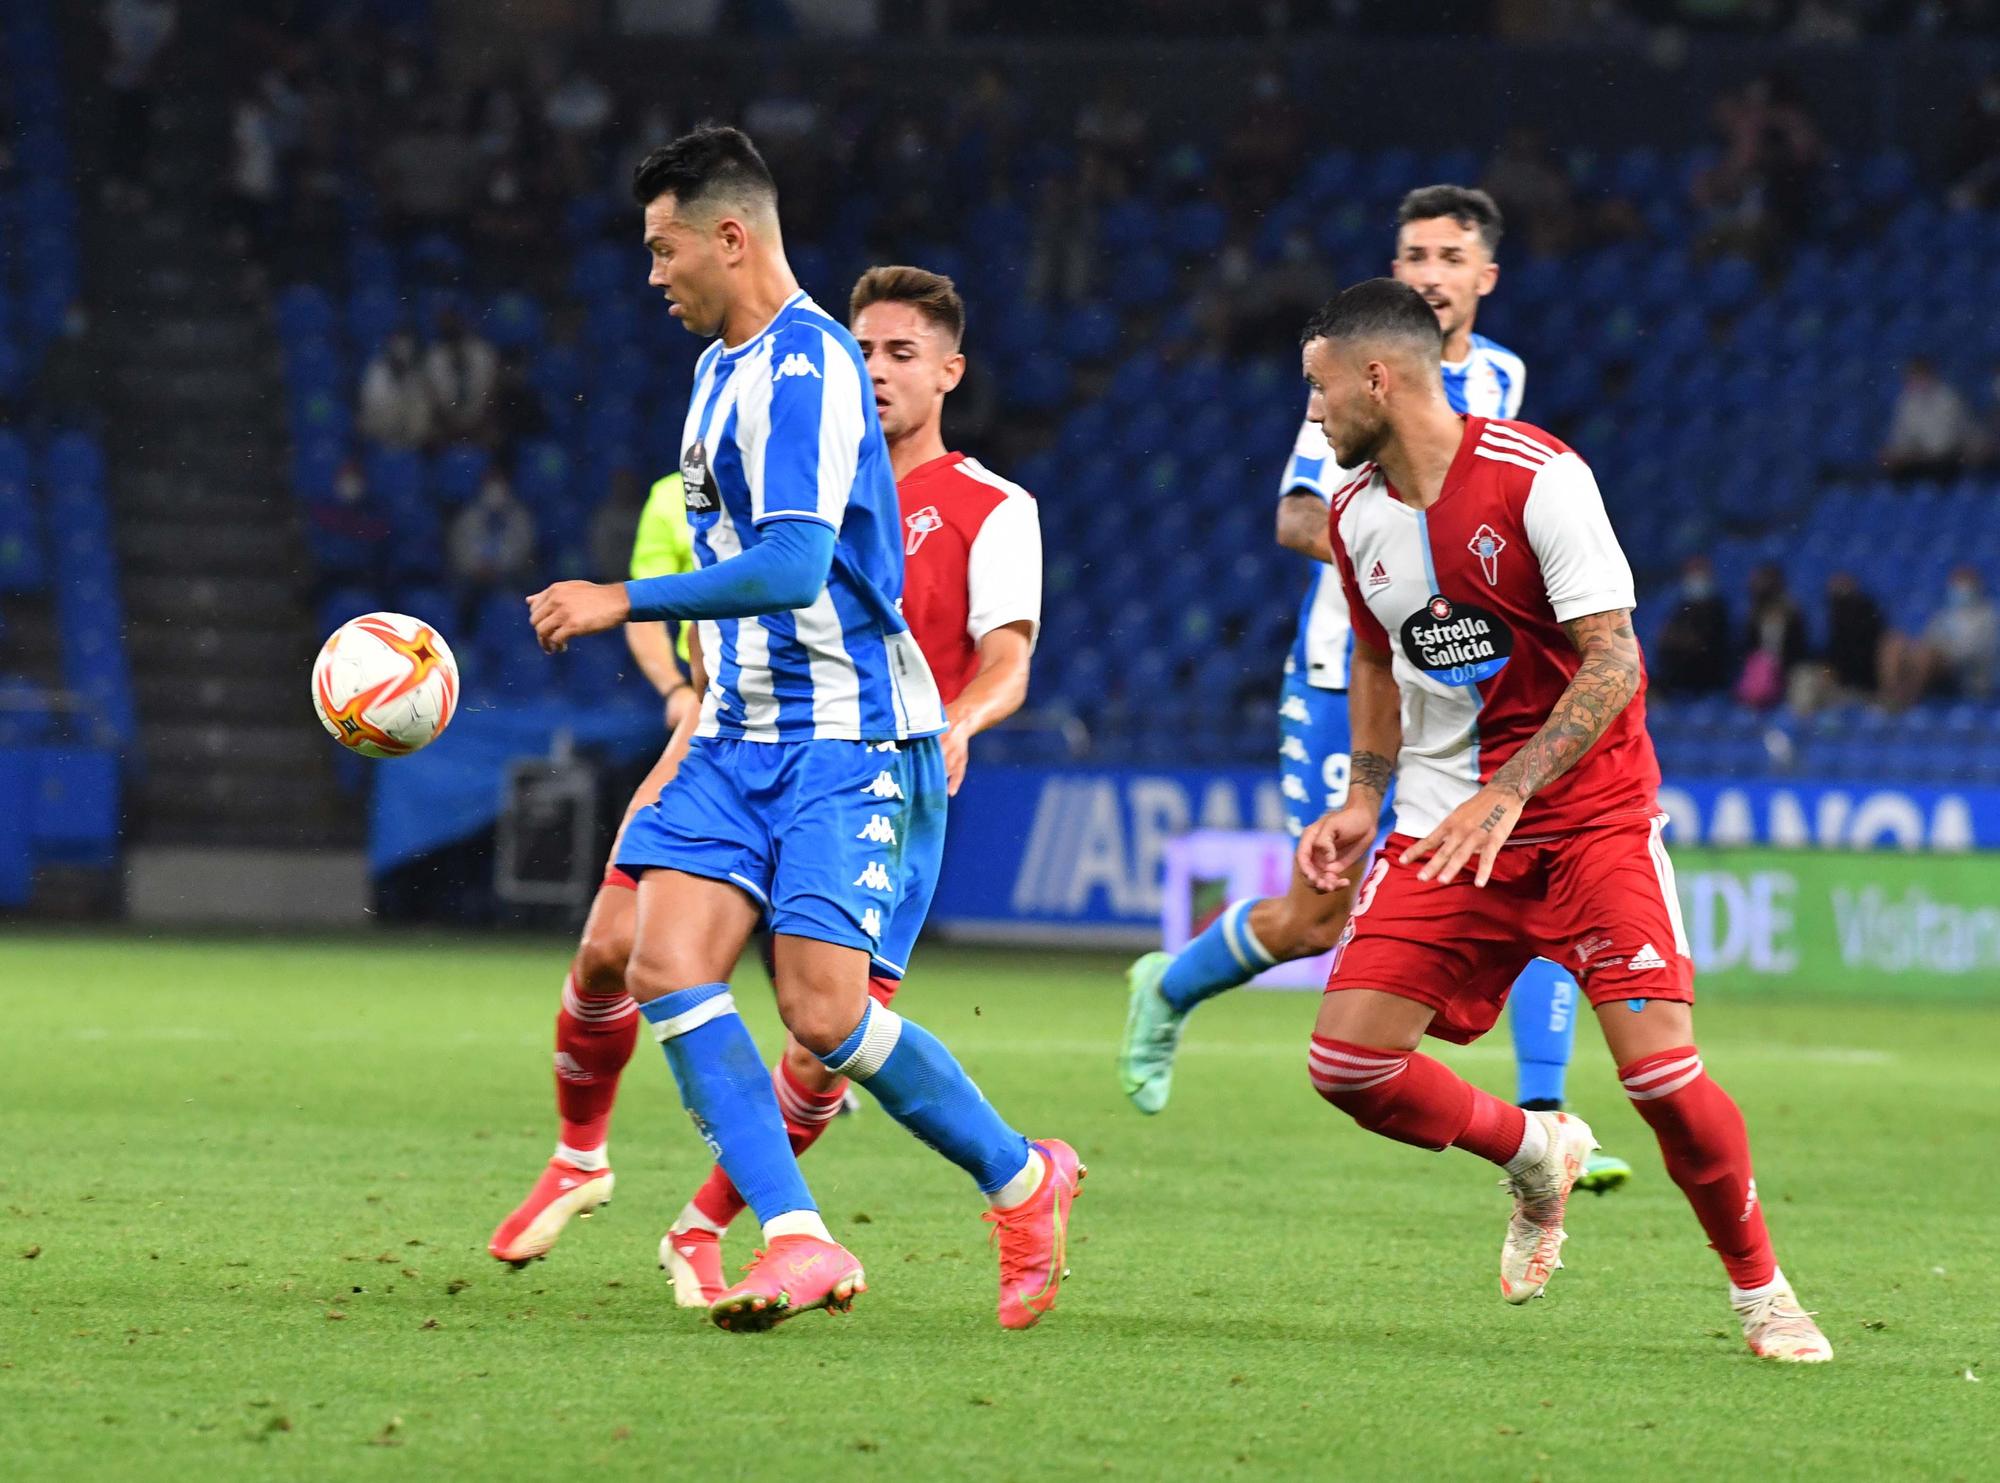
{"points": [[246, 1189]]}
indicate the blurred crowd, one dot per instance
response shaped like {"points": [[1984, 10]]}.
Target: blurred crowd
{"points": [[1762, 651]]}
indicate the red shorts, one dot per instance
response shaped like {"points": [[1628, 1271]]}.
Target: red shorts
{"points": [[1600, 902]]}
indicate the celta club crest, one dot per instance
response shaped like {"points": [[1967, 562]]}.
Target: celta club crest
{"points": [[1487, 544], [919, 525]]}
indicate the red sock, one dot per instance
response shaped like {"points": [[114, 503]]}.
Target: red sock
{"points": [[1707, 1150], [806, 1114], [1413, 1099], [594, 1040]]}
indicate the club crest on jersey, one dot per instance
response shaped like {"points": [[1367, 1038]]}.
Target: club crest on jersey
{"points": [[1456, 643], [919, 525], [694, 479], [1487, 544]]}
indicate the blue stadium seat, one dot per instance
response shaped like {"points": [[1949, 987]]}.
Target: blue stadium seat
{"points": [[457, 472]]}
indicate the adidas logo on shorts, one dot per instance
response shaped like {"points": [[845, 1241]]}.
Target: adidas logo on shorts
{"points": [[1647, 957]]}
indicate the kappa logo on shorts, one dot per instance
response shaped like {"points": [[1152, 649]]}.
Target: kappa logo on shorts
{"points": [[1647, 957], [919, 525], [1293, 788], [887, 746], [875, 876], [1294, 709], [884, 786], [871, 922], [1293, 750], [794, 364], [878, 830]]}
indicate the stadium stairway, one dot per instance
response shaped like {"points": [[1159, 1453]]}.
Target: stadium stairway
{"points": [[213, 559]]}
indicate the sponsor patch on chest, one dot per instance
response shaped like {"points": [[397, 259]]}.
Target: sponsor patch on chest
{"points": [[1459, 643]]}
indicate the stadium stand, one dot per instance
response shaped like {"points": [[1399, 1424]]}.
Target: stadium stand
{"points": [[66, 704]]}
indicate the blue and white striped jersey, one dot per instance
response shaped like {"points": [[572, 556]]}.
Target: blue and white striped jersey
{"points": [[783, 427], [1487, 383]]}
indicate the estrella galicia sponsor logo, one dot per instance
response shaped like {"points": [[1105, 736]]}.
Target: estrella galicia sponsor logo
{"points": [[1457, 643], [694, 479]]}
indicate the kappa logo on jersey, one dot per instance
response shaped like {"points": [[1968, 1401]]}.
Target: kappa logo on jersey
{"points": [[875, 877], [694, 479], [1378, 576], [1647, 957], [877, 830], [794, 364], [919, 525], [884, 786], [1457, 643], [1487, 544]]}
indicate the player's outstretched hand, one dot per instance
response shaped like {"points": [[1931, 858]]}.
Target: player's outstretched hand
{"points": [[1476, 828], [1331, 847], [569, 610]]}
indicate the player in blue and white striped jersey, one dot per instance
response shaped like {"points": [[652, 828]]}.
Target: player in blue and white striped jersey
{"points": [[813, 793], [1446, 241]]}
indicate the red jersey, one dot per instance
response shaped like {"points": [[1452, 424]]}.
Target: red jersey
{"points": [[972, 562], [1469, 598]]}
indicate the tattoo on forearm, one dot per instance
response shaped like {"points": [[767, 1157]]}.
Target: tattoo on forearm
{"points": [[1603, 686], [1371, 770]]}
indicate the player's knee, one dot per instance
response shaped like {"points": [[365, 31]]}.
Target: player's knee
{"points": [[1305, 928], [601, 961], [808, 1070], [818, 1022]]}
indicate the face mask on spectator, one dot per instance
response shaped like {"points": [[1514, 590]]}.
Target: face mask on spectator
{"points": [[1697, 586]]}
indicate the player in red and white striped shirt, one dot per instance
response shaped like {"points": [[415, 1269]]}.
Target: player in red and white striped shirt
{"points": [[1498, 682], [972, 595]]}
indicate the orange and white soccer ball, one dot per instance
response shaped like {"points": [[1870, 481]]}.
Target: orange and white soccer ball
{"points": [[385, 685]]}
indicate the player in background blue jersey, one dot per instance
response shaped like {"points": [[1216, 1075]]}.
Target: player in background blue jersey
{"points": [[1446, 241], [813, 794]]}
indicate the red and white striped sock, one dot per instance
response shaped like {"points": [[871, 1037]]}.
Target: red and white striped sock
{"points": [[594, 1039], [1707, 1150], [1413, 1099], [806, 1113]]}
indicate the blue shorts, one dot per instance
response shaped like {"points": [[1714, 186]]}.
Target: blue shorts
{"points": [[1315, 753], [838, 841]]}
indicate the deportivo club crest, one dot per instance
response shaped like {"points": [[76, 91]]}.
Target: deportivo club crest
{"points": [[919, 525], [694, 479], [1487, 544]]}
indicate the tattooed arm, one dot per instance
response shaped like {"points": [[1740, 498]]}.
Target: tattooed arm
{"points": [[1331, 848], [1603, 685]]}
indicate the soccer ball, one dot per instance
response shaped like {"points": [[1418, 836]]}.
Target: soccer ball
{"points": [[385, 685]]}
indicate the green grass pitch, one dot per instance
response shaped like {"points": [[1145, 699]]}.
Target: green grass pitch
{"points": [[246, 1188]]}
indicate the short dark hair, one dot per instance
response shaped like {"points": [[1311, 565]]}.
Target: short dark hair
{"points": [[931, 294], [711, 160], [1463, 204], [1374, 308]]}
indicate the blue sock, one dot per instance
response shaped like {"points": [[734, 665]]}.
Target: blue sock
{"points": [[1226, 955], [1542, 1015], [921, 1086], [726, 1088]]}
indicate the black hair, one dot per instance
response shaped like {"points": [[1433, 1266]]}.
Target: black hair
{"points": [[1374, 308], [710, 160], [1463, 204]]}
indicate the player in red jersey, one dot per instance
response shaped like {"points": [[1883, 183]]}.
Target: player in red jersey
{"points": [[1498, 680], [972, 595]]}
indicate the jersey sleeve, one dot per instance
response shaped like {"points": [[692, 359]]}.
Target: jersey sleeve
{"points": [[1367, 627], [805, 469], [1583, 568], [1003, 570], [663, 545], [1311, 467], [1517, 387]]}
